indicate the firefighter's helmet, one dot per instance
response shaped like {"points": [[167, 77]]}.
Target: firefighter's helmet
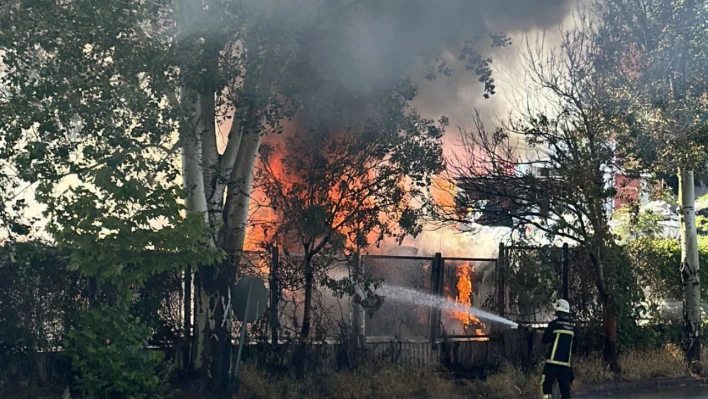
{"points": [[562, 305]]}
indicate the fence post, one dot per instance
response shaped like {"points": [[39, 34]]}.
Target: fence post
{"points": [[356, 310], [501, 280], [362, 310], [437, 290], [565, 264], [196, 308], [186, 351], [274, 295]]}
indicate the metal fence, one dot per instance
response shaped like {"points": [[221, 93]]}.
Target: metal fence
{"points": [[283, 275], [466, 281], [469, 282], [528, 277], [399, 319], [517, 286], [463, 281]]}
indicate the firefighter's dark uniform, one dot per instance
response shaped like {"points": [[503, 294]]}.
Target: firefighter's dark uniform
{"points": [[560, 333]]}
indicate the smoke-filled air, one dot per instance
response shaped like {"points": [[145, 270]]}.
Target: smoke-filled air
{"points": [[352, 198]]}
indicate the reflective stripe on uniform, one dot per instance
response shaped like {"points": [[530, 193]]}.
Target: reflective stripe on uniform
{"points": [[553, 360], [564, 364]]}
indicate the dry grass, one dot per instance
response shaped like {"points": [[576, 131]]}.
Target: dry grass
{"points": [[509, 382], [386, 381], [666, 362], [376, 381], [591, 370]]}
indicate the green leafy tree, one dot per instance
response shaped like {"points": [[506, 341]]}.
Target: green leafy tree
{"points": [[653, 62], [86, 127], [37, 322], [98, 158]]}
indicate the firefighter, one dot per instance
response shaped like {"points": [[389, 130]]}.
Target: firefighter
{"points": [[559, 335]]}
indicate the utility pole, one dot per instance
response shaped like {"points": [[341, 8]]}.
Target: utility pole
{"points": [[565, 271], [690, 276]]}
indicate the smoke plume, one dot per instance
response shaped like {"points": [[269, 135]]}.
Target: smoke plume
{"points": [[352, 48]]}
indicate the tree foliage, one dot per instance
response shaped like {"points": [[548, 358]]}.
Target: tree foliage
{"points": [[653, 59], [654, 255], [547, 167], [343, 182], [86, 125], [37, 304]]}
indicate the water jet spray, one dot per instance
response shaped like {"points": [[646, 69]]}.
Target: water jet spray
{"points": [[416, 297]]}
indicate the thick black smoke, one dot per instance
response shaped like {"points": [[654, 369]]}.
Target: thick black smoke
{"points": [[371, 42], [349, 48]]}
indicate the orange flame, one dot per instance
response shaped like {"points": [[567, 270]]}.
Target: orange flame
{"points": [[344, 196], [443, 191], [464, 298]]}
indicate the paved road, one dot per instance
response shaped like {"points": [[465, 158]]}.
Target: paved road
{"points": [[686, 393], [693, 393]]}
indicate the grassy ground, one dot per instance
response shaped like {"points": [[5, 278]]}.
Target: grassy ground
{"points": [[386, 381]]}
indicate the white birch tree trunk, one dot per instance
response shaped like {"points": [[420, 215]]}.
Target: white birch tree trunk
{"points": [[216, 175], [208, 176], [239, 196], [192, 172], [690, 276], [192, 137]]}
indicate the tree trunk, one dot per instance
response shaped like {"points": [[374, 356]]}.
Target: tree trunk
{"points": [[309, 289], [357, 316], [217, 281], [690, 276], [204, 174], [238, 198], [222, 332], [197, 355], [610, 326], [213, 317], [192, 172], [609, 317], [193, 178], [202, 327], [300, 355], [213, 323]]}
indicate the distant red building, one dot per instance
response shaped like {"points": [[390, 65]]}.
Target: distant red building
{"points": [[628, 190]]}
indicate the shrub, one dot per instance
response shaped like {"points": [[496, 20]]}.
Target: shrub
{"points": [[109, 355], [37, 304]]}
